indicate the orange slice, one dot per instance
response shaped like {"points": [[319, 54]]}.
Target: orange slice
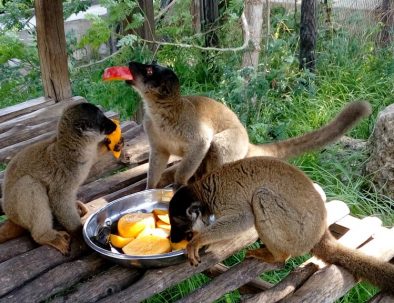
{"points": [[179, 245], [148, 245], [114, 138], [164, 225], [130, 225], [160, 232], [119, 241]]}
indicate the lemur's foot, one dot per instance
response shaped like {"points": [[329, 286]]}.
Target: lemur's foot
{"points": [[61, 242], [81, 208], [265, 255]]}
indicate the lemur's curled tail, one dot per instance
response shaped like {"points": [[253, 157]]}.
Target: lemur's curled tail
{"points": [[379, 273], [9, 230], [293, 147]]}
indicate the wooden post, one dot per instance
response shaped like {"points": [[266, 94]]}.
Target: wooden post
{"points": [[308, 34], [51, 42]]}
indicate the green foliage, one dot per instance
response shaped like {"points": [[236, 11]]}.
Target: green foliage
{"points": [[16, 14], [75, 6], [97, 33]]}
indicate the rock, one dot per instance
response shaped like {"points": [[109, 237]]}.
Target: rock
{"points": [[380, 165]]}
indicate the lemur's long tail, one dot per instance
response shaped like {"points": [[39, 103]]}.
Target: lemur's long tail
{"points": [[330, 133], [378, 272]]}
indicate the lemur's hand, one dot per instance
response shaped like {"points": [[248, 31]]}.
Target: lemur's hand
{"points": [[192, 251], [119, 146]]}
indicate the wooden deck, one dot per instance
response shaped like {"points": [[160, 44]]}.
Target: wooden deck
{"points": [[32, 273]]}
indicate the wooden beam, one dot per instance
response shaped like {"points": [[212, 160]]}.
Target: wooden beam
{"points": [[51, 42]]}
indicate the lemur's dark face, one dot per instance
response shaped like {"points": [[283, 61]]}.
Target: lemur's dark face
{"points": [[86, 117], [153, 80], [187, 215]]}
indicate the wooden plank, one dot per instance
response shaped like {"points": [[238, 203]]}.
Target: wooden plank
{"points": [[157, 280], [40, 115], [21, 132], [112, 183], [6, 153], [56, 280], [107, 283], [16, 247], [254, 286], [354, 238], [137, 149], [287, 286], [332, 282], [336, 210], [26, 107], [232, 279], [17, 271], [382, 298], [96, 204]]}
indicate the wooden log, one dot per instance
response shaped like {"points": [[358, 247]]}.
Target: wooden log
{"points": [[137, 150], [288, 285], [13, 248], [6, 153], [20, 109], [332, 282], [40, 115], [17, 271], [106, 283], [156, 280], [56, 280], [336, 210], [232, 279], [112, 183], [96, 204], [51, 43], [134, 132], [382, 298], [254, 286], [354, 238], [21, 132]]}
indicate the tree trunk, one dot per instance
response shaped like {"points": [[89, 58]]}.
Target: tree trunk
{"points": [[387, 19], [209, 13], [254, 16], [195, 11], [308, 34], [147, 30], [51, 42]]}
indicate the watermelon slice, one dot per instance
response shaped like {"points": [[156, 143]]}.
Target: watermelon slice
{"points": [[117, 73]]}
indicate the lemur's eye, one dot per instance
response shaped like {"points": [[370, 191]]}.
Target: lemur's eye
{"points": [[149, 71], [189, 236]]}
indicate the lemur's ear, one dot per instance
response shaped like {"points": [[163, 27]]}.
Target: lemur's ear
{"points": [[194, 210]]}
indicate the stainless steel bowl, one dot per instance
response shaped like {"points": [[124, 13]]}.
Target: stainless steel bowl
{"points": [[144, 201]]}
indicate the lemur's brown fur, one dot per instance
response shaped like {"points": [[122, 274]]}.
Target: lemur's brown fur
{"points": [[42, 180], [206, 133], [280, 202]]}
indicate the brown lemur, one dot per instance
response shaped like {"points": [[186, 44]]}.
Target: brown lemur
{"points": [[206, 133], [280, 202], [41, 181]]}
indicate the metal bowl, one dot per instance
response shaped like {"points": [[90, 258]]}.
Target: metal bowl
{"points": [[145, 202]]}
